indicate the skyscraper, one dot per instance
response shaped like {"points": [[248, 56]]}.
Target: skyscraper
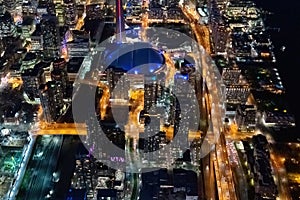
{"points": [[52, 100], [93, 11], [32, 79], [7, 27], [150, 95], [11, 5], [37, 39], [50, 34], [70, 13], [59, 10], [28, 26], [29, 61], [59, 74], [46, 7]]}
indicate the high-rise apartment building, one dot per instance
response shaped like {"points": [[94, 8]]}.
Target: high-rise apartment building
{"points": [[50, 34], [7, 26], [70, 13], [52, 100], [59, 74], [32, 79]]}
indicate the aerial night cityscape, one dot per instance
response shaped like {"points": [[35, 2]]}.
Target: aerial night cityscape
{"points": [[149, 99]]}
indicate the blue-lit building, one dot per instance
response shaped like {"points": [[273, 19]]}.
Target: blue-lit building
{"points": [[135, 58], [76, 194]]}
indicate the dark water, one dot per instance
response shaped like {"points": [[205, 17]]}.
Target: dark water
{"points": [[286, 16]]}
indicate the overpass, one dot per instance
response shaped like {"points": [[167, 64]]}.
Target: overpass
{"points": [[43, 128]]}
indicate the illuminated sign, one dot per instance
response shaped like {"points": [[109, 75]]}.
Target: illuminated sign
{"points": [[117, 159]]}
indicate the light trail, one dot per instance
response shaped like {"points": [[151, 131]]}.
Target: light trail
{"points": [[224, 176], [133, 127], [44, 128], [171, 70], [145, 23], [15, 82], [281, 176], [80, 22], [137, 105], [104, 101], [201, 31]]}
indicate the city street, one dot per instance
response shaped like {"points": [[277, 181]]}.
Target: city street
{"points": [[41, 168]]}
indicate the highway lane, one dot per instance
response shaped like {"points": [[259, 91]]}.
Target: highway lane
{"points": [[43, 168], [215, 110], [226, 189], [133, 184], [281, 178], [201, 31], [21, 172], [238, 171], [66, 165], [225, 169], [209, 177], [50, 165]]}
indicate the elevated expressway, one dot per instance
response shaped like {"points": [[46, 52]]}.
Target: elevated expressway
{"points": [[216, 98]]}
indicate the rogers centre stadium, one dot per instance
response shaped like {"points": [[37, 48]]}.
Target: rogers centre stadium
{"points": [[137, 58]]}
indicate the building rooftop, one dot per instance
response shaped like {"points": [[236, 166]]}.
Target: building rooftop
{"points": [[31, 72], [28, 20], [138, 58], [30, 56]]}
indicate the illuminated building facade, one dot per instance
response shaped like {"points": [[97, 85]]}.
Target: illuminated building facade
{"points": [[37, 39], [50, 34], [28, 27], [11, 5], [237, 94], [60, 13], [70, 13], [79, 46], [46, 7], [246, 118], [113, 76], [28, 8], [93, 11], [7, 27], [32, 79], [29, 61], [51, 98], [149, 96], [59, 74], [183, 109], [231, 75]]}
